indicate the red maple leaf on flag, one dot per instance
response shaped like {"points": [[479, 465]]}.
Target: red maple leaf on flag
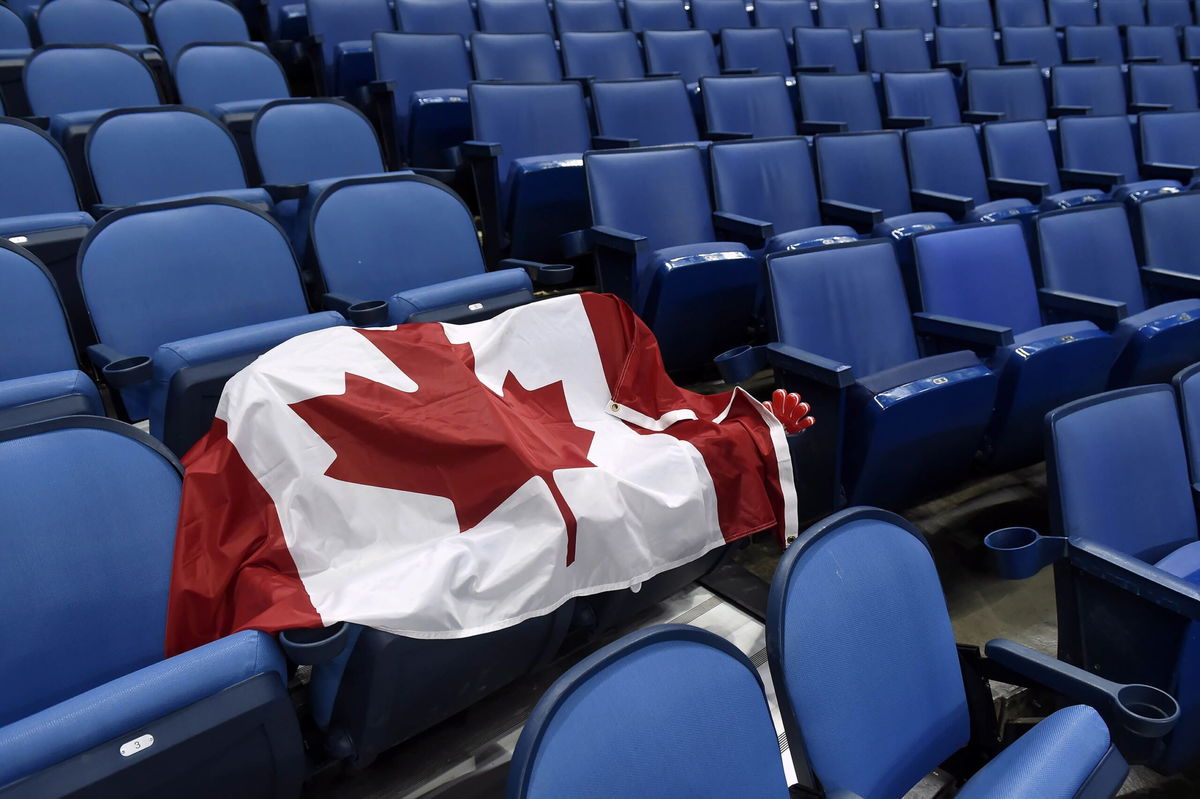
{"points": [[453, 437]]}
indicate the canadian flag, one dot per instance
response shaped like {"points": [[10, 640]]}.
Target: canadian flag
{"points": [[440, 481]]}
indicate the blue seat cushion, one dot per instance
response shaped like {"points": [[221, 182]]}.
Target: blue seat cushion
{"points": [[36, 223], [1072, 198], [919, 369], [37, 388], [1131, 325], [804, 238], [473, 288], [1144, 189], [533, 163], [1183, 563], [1003, 354], [127, 703], [905, 225], [660, 262], [999, 210]]}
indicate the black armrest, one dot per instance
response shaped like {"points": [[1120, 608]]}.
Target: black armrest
{"points": [[38, 122], [1159, 171], [809, 366], [361, 313], [580, 78], [480, 150], [1019, 62], [816, 69], [955, 205], [752, 232], [821, 126], [612, 142], [907, 122], [981, 117], [1170, 279], [1069, 110], [962, 331], [662, 75], [956, 67], [542, 274], [1026, 189], [1087, 179], [381, 87], [859, 216], [1078, 60], [740, 71], [619, 240], [289, 191], [1141, 59], [1104, 313], [118, 369], [722, 135], [1143, 108]]}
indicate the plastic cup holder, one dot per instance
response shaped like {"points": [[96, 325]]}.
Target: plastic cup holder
{"points": [[128, 371], [370, 313], [738, 364], [1146, 710], [1020, 552], [314, 645], [555, 274]]}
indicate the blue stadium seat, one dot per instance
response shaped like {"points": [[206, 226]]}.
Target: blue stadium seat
{"points": [[286, 20], [856, 15], [644, 113], [825, 50], [785, 15], [422, 89], [1168, 237], [1168, 86], [689, 54], [1089, 252], [835, 103], [39, 373], [763, 50], [824, 661], [965, 13], [1020, 13], [1175, 13], [214, 283], [1120, 12], [587, 15], [895, 50], [1022, 151], [93, 22], [607, 55], [1170, 138], [515, 57], [1093, 44], [1102, 148], [656, 15], [514, 16], [670, 680], [978, 284], [340, 40], [907, 14], [25, 9], [228, 80], [716, 15], [1018, 93], [1187, 386], [436, 16], [1031, 45], [921, 98], [14, 36], [964, 48], [757, 106], [1191, 42], [1157, 42], [1072, 12], [178, 24], [949, 161], [656, 245], [1093, 89], [101, 712]]}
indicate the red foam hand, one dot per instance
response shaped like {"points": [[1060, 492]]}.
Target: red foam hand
{"points": [[790, 409]]}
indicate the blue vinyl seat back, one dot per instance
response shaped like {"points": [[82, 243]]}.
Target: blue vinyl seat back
{"points": [[771, 180], [865, 169], [1017, 92], [974, 47], [1169, 235], [587, 15], [89, 22], [1176, 13], [636, 719], [1090, 251], [61, 78], [1020, 13], [715, 15], [847, 98], [33, 327], [981, 273], [376, 237], [784, 15], [966, 13], [1098, 43], [149, 154], [1164, 84], [338, 21], [922, 94], [1118, 474], [1099, 144], [178, 24], [415, 62], [907, 14], [515, 57], [1187, 385], [1036, 44], [210, 74], [1121, 12], [846, 303], [1171, 138], [13, 33], [1100, 87], [654, 111], [856, 585], [99, 506], [34, 176], [895, 50], [604, 55], [826, 47], [656, 15], [853, 14], [299, 141], [762, 49], [947, 160], [515, 16], [1021, 151], [690, 53], [754, 104], [1157, 41], [1072, 12], [436, 16]]}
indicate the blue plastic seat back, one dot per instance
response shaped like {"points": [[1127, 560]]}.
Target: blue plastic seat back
{"points": [[785, 15], [826, 47], [608, 55], [1090, 251], [1072, 12], [656, 15], [1021, 151], [1164, 84], [93, 504], [653, 111], [529, 120], [922, 94], [63, 78], [847, 98], [34, 176], [771, 180], [436, 16], [865, 169], [1191, 42], [209, 74], [1017, 92], [856, 603], [515, 57], [691, 54], [1171, 138], [1156, 41], [754, 104], [587, 15], [947, 160], [1169, 233], [1098, 43], [761, 49], [1100, 87], [895, 50], [973, 47], [515, 16], [299, 141], [1117, 473], [1020, 13], [161, 273], [89, 22], [1099, 144], [965, 13], [1121, 12], [907, 14], [1176, 13], [375, 237], [1038, 45], [178, 24], [715, 15], [1187, 384], [853, 14], [636, 719], [33, 327], [13, 33], [338, 21], [139, 155], [846, 303]]}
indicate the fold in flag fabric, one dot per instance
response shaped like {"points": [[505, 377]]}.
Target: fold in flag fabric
{"points": [[441, 481]]}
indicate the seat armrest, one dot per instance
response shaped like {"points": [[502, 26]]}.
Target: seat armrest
{"points": [[752, 232], [612, 142], [1087, 179], [742, 363], [955, 67], [118, 369], [1018, 62], [38, 122], [379, 88], [585, 79], [540, 273], [816, 69], [1104, 313], [859, 216], [1137, 577], [1143, 108], [360, 313], [821, 126], [1155, 170], [1141, 59], [907, 122], [980, 117], [1169, 279], [662, 75], [962, 331], [314, 646], [100, 209], [955, 205], [612, 239], [285, 191], [740, 71], [1069, 110], [1025, 189], [722, 135], [1081, 60], [480, 150]]}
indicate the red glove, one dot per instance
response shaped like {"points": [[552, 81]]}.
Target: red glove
{"points": [[791, 410]]}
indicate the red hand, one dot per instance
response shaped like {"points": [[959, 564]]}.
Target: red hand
{"points": [[791, 410]]}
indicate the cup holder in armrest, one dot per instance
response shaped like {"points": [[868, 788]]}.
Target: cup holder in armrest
{"points": [[311, 646], [1020, 552], [130, 371], [555, 274], [1145, 710], [740, 363], [371, 313]]}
